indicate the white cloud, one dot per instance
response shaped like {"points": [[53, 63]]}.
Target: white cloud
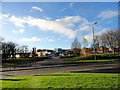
{"points": [[104, 30], [21, 30], [69, 6], [107, 14], [59, 38], [62, 10], [67, 26], [14, 31], [89, 36], [37, 8], [3, 17], [35, 39], [18, 31], [47, 18], [68, 21], [49, 25], [87, 28], [46, 25], [17, 21]]}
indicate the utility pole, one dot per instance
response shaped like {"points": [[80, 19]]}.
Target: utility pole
{"points": [[94, 41]]}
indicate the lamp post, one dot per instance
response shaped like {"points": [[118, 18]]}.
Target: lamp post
{"points": [[94, 41]]}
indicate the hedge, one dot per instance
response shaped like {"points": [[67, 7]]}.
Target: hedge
{"points": [[91, 57]]}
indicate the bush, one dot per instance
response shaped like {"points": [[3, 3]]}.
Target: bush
{"points": [[98, 56], [67, 56], [23, 60]]}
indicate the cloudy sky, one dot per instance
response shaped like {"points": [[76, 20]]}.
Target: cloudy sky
{"points": [[55, 24]]}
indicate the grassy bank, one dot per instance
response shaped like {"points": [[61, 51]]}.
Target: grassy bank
{"points": [[63, 80], [96, 61], [90, 58]]}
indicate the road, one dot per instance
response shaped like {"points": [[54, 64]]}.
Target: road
{"points": [[59, 67]]}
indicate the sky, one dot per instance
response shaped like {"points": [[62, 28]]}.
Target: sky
{"points": [[49, 25]]}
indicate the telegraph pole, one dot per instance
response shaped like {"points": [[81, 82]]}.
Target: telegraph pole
{"points": [[94, 41]]}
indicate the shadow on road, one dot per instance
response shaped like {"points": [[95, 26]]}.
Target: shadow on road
{"points": [[109, 70]]}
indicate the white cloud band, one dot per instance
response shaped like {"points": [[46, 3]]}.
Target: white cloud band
{"points": [[35, 39], [107, 14], [37, 8]]}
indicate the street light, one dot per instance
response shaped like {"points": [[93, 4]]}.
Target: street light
{"points": [[94, 40]]}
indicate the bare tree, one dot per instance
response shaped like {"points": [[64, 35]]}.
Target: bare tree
{"points": [[76, 44], [22, 49], [76, 47], [85, 42], [109, 39], [117, 39], [1, 39], [8, 49], [97, 41]]}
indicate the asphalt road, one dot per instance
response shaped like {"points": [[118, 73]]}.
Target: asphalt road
{"points": [[77, 68]]}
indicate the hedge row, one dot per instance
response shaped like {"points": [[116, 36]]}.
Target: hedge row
{"points": [[67, 56], [91, 57], [23, 60]]}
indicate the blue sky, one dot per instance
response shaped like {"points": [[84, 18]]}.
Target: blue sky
{"points": [[55, 24]]}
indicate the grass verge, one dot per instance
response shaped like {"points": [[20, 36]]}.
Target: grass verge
{"points": [[63, 80]]}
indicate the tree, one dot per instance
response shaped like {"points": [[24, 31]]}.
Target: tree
{"points": [[76, 44], [22, 49], [34, 55], [97, 41], [8, 49], [117, 39], [76, 47], [109, 39], [85, 42], [1, 40]]}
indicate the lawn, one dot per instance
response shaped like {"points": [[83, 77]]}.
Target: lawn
{"points": [[63, 80], [76, 59], [99, 60]]}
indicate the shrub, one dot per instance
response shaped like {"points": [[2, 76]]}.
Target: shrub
{"points": [[91, 57], [67, 56]]}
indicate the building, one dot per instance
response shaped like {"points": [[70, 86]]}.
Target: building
{"points": [[44, 52], [100, 50], [58, 51], [76, 51], [72, 52], [68, 52], [22, 55], [86, 51]]}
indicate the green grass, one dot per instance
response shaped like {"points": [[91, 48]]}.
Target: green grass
{"points": [[88, 61], [91, 57], [63, 80], [104, 60]]}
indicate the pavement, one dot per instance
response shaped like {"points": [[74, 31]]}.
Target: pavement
{"points": [[59, 65]]}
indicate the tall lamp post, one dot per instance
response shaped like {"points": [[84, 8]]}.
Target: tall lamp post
{"points": [[94, 41]]}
